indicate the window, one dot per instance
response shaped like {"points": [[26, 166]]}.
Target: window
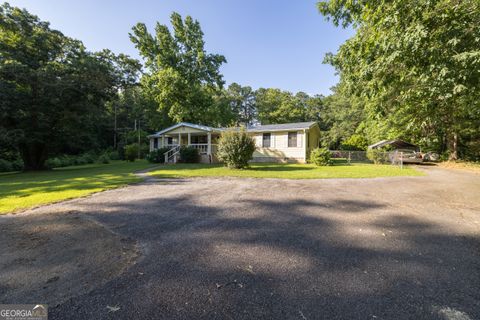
{"points": [[266, 140], [292, 139], [155, 143]]}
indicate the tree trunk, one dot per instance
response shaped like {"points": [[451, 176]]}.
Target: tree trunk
{"points": [[454, 147], [34, 155]]}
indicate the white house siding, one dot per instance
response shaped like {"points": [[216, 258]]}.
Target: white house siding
{"points": [[279, 149]]}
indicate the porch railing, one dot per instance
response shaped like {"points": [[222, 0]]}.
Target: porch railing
{"points": [[201, 147], [172, 154]]}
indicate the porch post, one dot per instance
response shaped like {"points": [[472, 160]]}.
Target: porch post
{"points": [[209, 147], [179, 139], [189, 139]]}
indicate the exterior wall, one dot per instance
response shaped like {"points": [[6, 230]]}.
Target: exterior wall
{"points": [[279, 149], [313, 140]]}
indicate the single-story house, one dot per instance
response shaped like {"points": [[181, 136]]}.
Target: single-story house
{"points": [[287, 142]]}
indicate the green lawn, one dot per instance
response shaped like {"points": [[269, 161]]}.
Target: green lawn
{"points": [[30, 189], [285, 171]]}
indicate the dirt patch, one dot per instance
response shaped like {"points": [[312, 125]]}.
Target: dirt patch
{"points": [[49, 258], [468, 166]]}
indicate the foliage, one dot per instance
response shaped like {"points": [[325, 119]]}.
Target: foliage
{"points": [[235, 148], [8, 166], [53, 92], [131, 152], [415, 66], [181, 76], [378, 156], [189, 154], [29, 189], [114, 155], [341, 117], [277, 106], [104, 158], [321, 157], [158, 155], [242, 103], [355, 142], [284, 171], [71, 160]]}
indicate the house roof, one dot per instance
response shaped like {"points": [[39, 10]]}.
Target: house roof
{"points": [[396, 143], [282, 126], [185, 124], [258, 128]]}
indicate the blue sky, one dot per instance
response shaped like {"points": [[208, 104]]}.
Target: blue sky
{"points": [[279, 44]]}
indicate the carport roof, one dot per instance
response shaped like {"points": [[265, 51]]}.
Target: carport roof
{"points": [[396, 143]]}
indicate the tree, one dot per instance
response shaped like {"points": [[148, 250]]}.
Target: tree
{"points": [[242, 103], [416, 66], [181, 76], [52, 91], [341, 117], [277, 106]]}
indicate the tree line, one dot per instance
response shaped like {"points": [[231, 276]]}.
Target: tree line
{"points": [[411, 71]]}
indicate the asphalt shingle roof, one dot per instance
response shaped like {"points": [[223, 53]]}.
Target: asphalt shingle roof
{"points": [[282, 126]]}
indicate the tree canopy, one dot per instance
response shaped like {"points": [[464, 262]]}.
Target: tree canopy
{"points": [[416, 67], [181, 76]]}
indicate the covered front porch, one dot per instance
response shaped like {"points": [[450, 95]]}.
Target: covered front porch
{"points": [[202, 138]]}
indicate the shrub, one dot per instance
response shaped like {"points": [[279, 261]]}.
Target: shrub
{"points": [[17, 165], [144, 151], [321, 157], [131, 152], [235, 148], [104, 158], [189, 154], [377, 156], [87, 158], [5, 166], [157, 156], [114, 155], [356, 142]]}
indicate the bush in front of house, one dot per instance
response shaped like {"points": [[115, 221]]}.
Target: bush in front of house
{"points": [[131, 152], [321, 157], [235, 148], [157, 156], [377, 156], [189, 154]]}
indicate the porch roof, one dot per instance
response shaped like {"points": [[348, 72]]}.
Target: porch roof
{"points": [[185, 124]]}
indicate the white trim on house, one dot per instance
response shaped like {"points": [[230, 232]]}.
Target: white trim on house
{"points": [[185, 124]]}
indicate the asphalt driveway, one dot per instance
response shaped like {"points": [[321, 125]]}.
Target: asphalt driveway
{"points": [[385, 248]]}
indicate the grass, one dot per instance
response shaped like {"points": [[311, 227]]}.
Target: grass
{"points": [[24, 190], [284, 171]]}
